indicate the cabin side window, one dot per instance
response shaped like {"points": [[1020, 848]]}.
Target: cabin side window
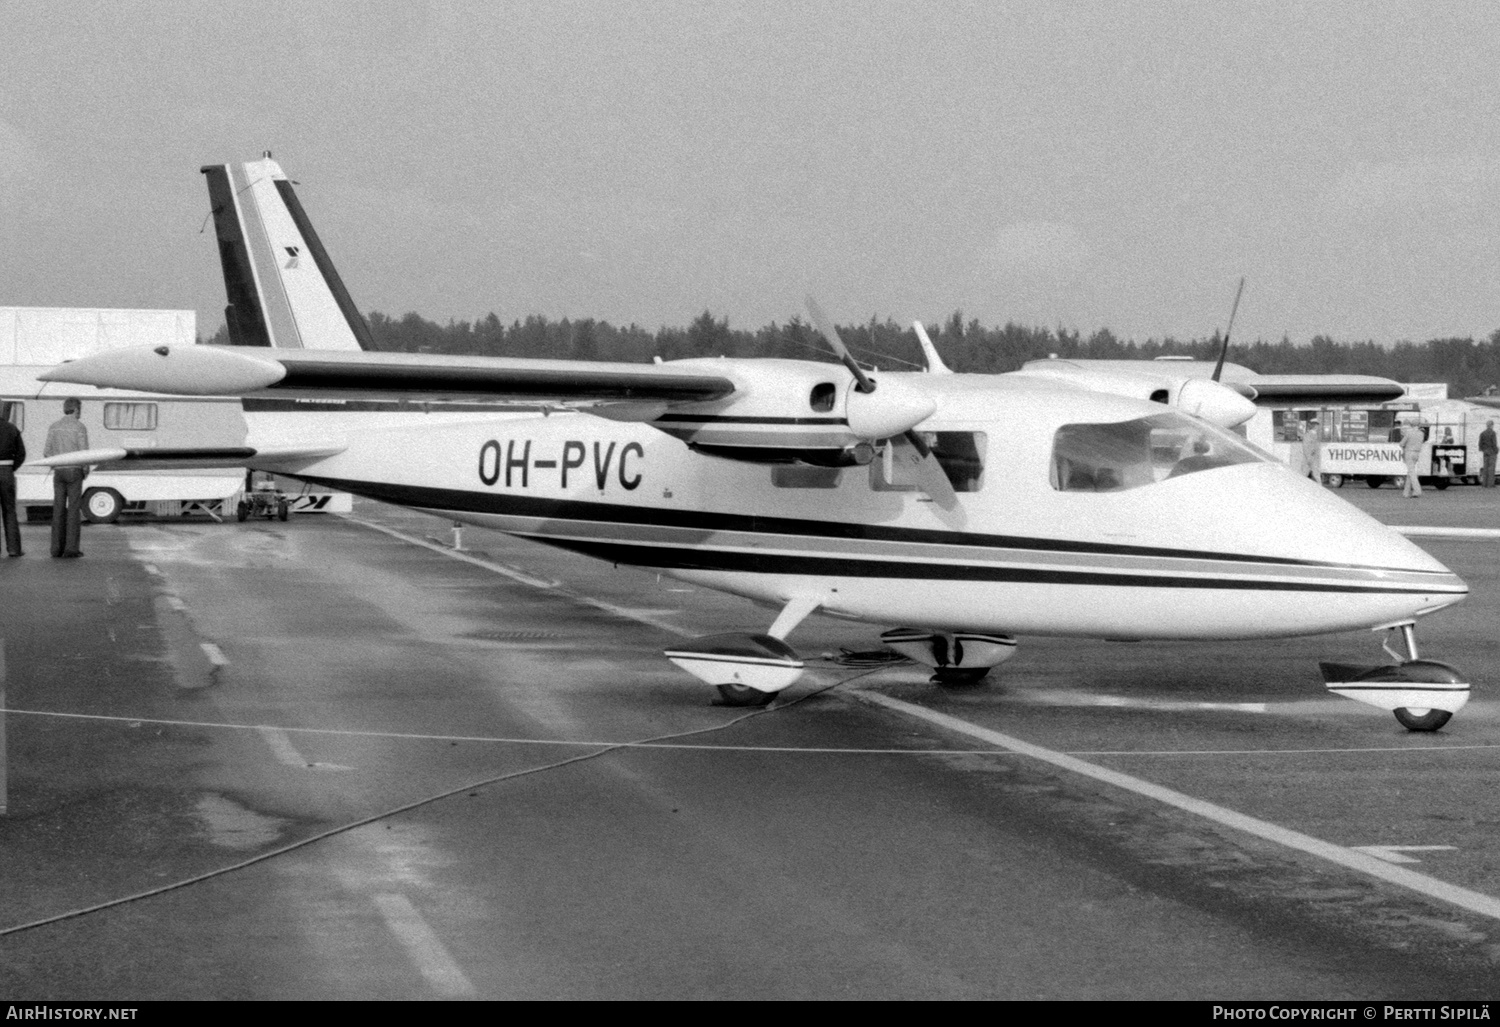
{"points": [[822, 397], [1129, 454], [130, 416], [15, 413], [959, 453]]}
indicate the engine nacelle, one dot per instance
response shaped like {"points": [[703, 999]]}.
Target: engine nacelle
{"points": [[783, 410], [1219, 404]]}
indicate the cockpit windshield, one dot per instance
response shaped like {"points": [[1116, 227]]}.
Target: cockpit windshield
{"points": [[1129, 454]]}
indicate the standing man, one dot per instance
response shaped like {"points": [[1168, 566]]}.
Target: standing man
{"points": [[1487, 446], [1411, 451], [1312, 451], [67, 435], [12, 456]]}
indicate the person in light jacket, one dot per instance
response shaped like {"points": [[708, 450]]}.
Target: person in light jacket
{"points": [[67, 435], [1412, 440]]}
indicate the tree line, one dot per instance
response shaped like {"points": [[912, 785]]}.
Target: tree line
{"points": [[1467, 366]]}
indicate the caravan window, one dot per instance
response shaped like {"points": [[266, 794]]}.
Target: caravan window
{"points": [[15, 413], [130, 416]]}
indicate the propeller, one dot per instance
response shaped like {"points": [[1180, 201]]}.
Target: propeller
{"points": [[895, 415], [862, 381], [1224, 351]]}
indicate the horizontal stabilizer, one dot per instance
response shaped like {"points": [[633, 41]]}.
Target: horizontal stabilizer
{"points": [[182, 458], [174, 370]]}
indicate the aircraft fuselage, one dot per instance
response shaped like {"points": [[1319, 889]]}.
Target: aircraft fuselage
{"points": [[1242, 551]]}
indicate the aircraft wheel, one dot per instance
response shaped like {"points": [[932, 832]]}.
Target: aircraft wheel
{"points": [[102, 506], [1422, 720], [743, 695], [1375, 481], [959, 677]]}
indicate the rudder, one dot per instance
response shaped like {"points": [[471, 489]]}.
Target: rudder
{"points": [[282, 287]]}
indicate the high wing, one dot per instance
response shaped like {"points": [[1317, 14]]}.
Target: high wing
{"points": [[1165, 380], [339, 374]]}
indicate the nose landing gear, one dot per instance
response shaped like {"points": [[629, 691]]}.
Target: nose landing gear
{"points": [[1423, 694]]}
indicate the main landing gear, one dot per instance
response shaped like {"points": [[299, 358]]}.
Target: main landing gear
{"points": [[958, 659], [747, 670], [1423, 694]]}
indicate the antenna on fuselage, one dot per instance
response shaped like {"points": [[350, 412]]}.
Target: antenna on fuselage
{"points": [[1224, 350]]}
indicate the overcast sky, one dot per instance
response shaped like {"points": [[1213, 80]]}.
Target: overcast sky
{"points": [[1089, 165]]}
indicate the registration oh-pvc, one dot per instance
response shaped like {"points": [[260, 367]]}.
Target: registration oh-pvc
{"points": [[517, 464]]}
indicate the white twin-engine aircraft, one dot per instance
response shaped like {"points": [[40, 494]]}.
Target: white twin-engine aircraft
{"points": [[962, 510]]}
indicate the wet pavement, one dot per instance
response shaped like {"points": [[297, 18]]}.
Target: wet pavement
{"points": [[319, 760]]}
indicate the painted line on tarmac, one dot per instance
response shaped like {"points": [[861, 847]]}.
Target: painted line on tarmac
{"points": [[1064, 697], [514, 575], [427, 953], [1433, 531], [1351, 859], [790, 749], [286, 753], [639, 616], [215, 654]]}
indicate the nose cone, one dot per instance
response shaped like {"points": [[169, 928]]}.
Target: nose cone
{"points": [[1320, 525], [1364, 573]]}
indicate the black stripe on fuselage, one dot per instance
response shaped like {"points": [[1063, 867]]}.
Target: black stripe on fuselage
{"points": [[680, 559], [257, 405], [722, 419], [463, 501]]}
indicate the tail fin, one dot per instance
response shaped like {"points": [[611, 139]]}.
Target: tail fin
{"points": [[283, 289]]}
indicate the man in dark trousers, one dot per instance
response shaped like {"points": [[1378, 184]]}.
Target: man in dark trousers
{"points": [[67, 435], [1487, 446], [12, 456]]}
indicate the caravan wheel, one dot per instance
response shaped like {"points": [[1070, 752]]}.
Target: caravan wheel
{"points": [[102, 506]]}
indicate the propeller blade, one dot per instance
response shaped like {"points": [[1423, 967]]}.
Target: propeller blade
{"points": [[1224, 351], [928, 472], [825, 327]]}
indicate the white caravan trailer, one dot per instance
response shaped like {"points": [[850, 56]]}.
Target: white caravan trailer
{"points": [[35, 339]]}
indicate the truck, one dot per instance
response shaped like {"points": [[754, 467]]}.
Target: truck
{"points": [[1363, 443]]}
